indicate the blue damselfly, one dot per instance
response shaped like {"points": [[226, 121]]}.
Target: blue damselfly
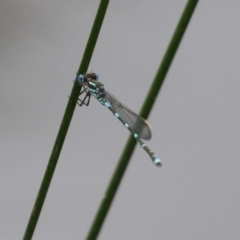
{"points": [[139, 127]]}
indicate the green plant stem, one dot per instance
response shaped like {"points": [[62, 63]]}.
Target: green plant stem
{"points": [[65, 123], [147, 106]]}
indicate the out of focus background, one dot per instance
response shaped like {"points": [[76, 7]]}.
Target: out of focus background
{"points": [[195, 120]]}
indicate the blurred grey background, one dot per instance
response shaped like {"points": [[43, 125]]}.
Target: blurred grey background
{"points": [[195, 120]]}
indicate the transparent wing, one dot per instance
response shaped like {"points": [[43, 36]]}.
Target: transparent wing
{"points": [[139, 125]]}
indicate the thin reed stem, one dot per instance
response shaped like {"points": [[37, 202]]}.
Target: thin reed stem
{"points": [[145, 111], [65, 123]]}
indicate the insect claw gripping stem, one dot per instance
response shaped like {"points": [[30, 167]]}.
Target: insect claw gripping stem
{"points": [[87, 96]]}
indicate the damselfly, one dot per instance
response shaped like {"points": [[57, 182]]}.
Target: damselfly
{"points": [[139, 127]]}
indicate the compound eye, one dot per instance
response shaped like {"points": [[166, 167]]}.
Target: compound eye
{"points": [[97, 76], [80, 79]]}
